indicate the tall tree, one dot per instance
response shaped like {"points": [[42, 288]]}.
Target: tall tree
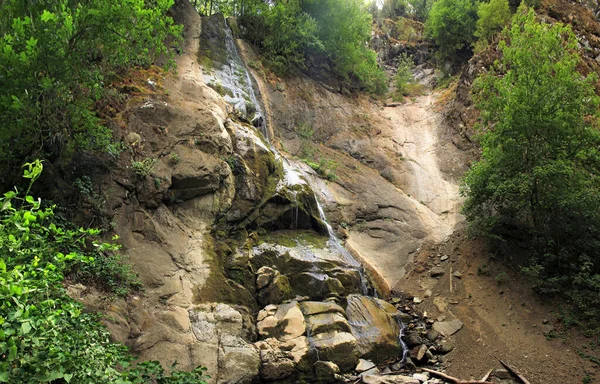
{"points": [[451, 25], [539, 174]]}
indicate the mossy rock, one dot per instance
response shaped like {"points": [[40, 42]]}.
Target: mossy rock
{"points": [[213, 48]]}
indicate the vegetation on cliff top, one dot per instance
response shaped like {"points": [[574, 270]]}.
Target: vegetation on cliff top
{"points": [[330, 35], [57, 61], [539, 175]]}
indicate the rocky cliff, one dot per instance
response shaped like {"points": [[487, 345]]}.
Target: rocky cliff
{"points": [[242, 271]]}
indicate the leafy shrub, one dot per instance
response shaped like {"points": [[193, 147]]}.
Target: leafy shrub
{"points": [[144, 168], [174, 158], [56, 58], [45, 336], [502, 278], [493, 16], [451, 25], [420, 9], [403, 75], [394, 8]]}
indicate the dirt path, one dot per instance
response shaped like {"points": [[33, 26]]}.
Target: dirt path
{"points": [[505, 320]]}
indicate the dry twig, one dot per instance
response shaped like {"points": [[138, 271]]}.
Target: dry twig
{"points": [[454, 379], [514, 371], [487, 375]]}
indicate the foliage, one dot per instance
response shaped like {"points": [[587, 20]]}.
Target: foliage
{"points": [[451, 25], [394, 8], [292, 34], [57, 58], [539, 174], [492, 17], [298, 34], [421, 8], [174, 158], [403, 75], [45, 336], [144, 168]]}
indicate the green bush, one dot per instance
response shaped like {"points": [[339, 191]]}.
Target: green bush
{"points": [[539, 174], [45, 336], [493, 16], [403, 75], [420, 9], [394, 8], [330, 34], [57, 58], [451, 25]]}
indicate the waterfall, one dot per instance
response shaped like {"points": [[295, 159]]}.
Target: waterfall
{"points": [[237, 85], [234, 80]]}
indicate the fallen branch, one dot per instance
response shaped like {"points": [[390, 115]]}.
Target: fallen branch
{"points": [[454, 379], [514, 371], [487, 375]]}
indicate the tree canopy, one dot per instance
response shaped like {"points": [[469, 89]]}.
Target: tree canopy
{"points": [[57, 58], [492, 17], [451, 25], [539, 174], [297, 34]]}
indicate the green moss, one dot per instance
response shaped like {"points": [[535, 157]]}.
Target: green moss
{"points": [[219, 288], [294, 238]]}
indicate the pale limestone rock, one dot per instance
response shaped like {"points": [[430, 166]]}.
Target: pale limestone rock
{"points": [[447, 328]]}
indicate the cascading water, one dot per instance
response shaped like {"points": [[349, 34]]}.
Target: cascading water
{"points": [[402, 328], [235, 82]]}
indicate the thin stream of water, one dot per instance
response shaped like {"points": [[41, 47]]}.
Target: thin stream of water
{"points": [[236, 78]]}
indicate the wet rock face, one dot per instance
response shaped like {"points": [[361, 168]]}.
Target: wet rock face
{"points": [[311, 272], [374, 324]]}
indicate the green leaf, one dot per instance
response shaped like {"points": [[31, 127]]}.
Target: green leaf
{"points": [[48, 16], [12, 353], [25, 327], [3, 377]]}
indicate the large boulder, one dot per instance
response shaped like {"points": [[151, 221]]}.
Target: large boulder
{"points": [[223, 334], [312, 271], [337, 347], [375, 326], [196, 174]]}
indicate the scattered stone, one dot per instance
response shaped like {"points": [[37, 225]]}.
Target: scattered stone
{"points": [[364, 365], [326, 370], [405, 317], [444, 258], [502, 374], [389, 379], [427, 293], [413, 339], [432, 335], [448, 328], [418, 353], [445, 347], [422, 377], [437, 271], [416, 300], [457, 274]]}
